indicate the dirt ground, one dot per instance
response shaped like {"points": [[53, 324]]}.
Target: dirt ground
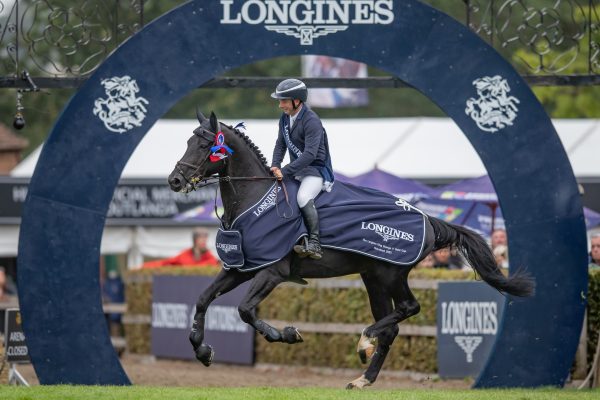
{"points": [[149, 371]]}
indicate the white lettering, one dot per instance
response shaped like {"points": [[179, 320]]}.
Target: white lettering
{"points": [[364, 13], [227, 13], [383, 12], [387, 232], [469, 318], [268, 202], [306, 19], [225, 319], [281, 8], [260, 7], [17, 351], [17, 337], [170, 315], [339, 13]]}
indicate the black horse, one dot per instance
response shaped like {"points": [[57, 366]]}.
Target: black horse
{"points": [[243, 179]]}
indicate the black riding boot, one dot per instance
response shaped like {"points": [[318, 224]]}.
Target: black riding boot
{"points": [[312, 247]]}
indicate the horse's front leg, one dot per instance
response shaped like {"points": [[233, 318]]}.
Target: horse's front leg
{"points": [[264, 283], [223, 283]]}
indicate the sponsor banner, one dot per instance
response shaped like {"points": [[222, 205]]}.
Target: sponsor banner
{"points": [[332, 67], [14, 338], [135, 201], [173, 307], [468, 317], [307, 20]]}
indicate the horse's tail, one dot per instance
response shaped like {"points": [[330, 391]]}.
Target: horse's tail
{"points": [[477, 252]]}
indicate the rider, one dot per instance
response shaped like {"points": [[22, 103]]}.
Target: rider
{"points": [[303, 135]]}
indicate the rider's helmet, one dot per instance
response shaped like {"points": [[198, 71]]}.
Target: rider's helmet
{"points": [[291, 89]]}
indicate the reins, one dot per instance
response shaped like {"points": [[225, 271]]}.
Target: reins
{"points": [[197, 183]]}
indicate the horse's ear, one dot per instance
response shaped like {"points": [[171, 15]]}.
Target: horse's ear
{"points": [[214, 123], [199, 115]]}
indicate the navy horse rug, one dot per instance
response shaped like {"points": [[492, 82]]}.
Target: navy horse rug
{"points": [[352, 218]]}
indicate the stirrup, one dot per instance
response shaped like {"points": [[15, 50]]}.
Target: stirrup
{"points": [[302, 249]]}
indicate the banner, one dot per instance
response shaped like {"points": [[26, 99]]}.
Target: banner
{"points": [[134, 202], [331, 67], [173, 307], [468, 318]]}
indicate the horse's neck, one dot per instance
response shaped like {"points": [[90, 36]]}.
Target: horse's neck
{"points": [[240, 195]]}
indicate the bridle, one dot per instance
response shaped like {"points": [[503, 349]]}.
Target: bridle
{"points": [[196, 181]]}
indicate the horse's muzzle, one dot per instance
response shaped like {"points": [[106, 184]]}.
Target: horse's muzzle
{"points": [[176, 181]]}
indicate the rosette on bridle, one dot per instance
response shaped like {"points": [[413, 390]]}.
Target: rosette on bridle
{"points": [[220, 150]]}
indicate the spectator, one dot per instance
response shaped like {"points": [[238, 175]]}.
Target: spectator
{"points": [[196, 256], [595, 252], [443, 258], [501, 255], [7, 286], [499, 238], [427, 262]]}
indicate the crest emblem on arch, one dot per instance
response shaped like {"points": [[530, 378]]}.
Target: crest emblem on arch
{"points": [[121, 110], [494, 109]]}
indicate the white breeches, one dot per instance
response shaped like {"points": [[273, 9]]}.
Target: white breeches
{"points": [[310, 187]]}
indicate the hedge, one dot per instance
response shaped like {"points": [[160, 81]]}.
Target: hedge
{"points": [[310, 304]]}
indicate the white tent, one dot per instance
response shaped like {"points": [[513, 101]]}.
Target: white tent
{"points": [[408, 147], [421, 148]]}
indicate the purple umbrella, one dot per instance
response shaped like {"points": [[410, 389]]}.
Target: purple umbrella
{"points": [[406, 189], [482, 190], [479, 189], [592, 218]]}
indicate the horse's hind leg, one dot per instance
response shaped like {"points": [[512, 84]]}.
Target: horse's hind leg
{"points": [[381, 306], [264, 282], [223, 283]]}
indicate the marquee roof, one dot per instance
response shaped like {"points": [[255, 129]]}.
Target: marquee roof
{"points": [[422, 148]]}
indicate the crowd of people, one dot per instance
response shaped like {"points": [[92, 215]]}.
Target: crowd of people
{"points": [[449, 258]]}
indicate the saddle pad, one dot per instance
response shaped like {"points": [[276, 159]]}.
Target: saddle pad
{"points": [[352, 218]]}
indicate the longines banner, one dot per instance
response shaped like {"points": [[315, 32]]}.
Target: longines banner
{"points": [[135, 201], [468, 314], [173, 308]]}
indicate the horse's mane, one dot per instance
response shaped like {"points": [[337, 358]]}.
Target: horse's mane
{"points": [[252, 147]]}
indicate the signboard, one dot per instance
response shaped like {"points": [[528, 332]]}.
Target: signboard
{"points": [[468, 316], [134, 202], [14, 339], [173, 307]]}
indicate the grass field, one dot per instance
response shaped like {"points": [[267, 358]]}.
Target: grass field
{"points": [[151, 393]]}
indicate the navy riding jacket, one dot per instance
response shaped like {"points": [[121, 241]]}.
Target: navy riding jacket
{"points": [[306, 143]]}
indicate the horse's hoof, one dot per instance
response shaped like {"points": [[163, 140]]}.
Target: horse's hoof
{"points": [[301, 251], [291, 335], [359, 383], [365, 348], [205, 354]]}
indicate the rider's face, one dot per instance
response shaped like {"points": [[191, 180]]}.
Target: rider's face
{"points": [[287, 107]]}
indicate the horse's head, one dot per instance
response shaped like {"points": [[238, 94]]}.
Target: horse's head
{"points": [[204, 156]]}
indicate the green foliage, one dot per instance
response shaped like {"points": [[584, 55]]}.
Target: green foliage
{"points": [[417, 353], [593, 314]]}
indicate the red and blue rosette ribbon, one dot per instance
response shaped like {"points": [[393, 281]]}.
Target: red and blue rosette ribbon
{"points": [[220, 150]]}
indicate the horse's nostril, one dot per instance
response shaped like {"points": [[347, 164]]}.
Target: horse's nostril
{"points": [[175, 181]]}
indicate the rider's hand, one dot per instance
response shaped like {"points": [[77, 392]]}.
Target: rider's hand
{"points": [[277, 172]]}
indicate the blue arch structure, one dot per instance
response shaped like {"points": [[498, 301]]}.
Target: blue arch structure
{"points": [[82, 161]]}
